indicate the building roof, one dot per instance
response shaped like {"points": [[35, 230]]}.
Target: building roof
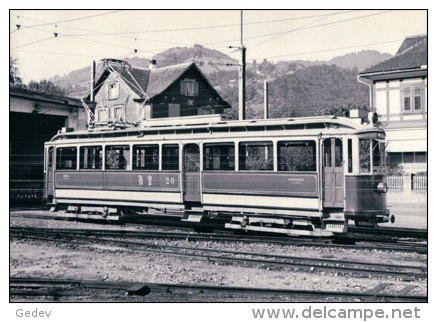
{"points": [[412, 54], [25, 93], [152, 82], [161, 78]]}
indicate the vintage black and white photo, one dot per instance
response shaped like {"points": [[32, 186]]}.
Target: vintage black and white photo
{"points": [[218, 156]]}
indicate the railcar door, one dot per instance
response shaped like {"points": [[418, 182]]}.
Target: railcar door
{"points": [[333, 189], [191, 172], [50, 170]]}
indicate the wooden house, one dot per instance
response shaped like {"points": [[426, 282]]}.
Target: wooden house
{"points": [[127, 94]]}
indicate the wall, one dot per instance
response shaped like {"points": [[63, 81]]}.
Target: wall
{"points": [[406, 131], [106, 107], [207, 98]]}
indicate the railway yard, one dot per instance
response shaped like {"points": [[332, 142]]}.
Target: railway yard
{"points": [[70, 260]]}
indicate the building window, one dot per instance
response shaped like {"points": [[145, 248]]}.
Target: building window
{"points": [[420, 157], [117, 157], [119, 114], [397, 158], [297, 156], [91, 157], [412, 99], [146, 157], [113, 90], [189, 87], [408, 157], [256, 156], [219, 156], [66, 158], [170, 157]]}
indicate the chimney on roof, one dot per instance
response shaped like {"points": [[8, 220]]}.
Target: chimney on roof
{"points": [[152, 64]]}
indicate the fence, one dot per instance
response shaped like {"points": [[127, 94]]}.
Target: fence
{"points": [[395, 182], [419, 182], [408, 182]]}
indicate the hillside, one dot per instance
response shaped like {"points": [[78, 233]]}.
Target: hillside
{"points": [[297, 87], [360, 60], [76, 83]]}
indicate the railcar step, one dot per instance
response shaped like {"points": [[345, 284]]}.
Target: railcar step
{"points": [[291, 232], [192, 217]]}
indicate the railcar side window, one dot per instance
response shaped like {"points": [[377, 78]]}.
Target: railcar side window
{"points": [[297, 156], [376, 153], [219, 156], [327, 156], [338, 153], [170, 157], [117, 157], [349, 156], [50, 157], [146, 157], [91, 157], [66, 158], [256, 156], [365, 155]]}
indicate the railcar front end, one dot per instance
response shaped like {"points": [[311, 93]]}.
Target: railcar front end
{"points": [[366, 186]]}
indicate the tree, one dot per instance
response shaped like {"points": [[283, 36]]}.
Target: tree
{"points": [[14, 77], [47, 87]]}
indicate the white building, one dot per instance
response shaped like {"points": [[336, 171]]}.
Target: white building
{"points": [[398, 93]]}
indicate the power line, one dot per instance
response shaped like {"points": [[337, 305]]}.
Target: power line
{"points": [[320, 25], [295, 29], [31, 43], [207, 27], [73, 19], [224, 64], [99, 33], [280, 35], [333, 49]]}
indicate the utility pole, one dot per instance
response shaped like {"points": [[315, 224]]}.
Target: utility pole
{"points": [[242, 83], [241, 76], [93, 80], [266, 99]]}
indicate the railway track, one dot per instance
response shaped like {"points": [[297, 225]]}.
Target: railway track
{"points": [[130, 240], [359, 242], [392, 231], [382, 234], [32, 289]]}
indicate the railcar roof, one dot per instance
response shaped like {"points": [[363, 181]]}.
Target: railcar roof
{"points": [[353, 124]]}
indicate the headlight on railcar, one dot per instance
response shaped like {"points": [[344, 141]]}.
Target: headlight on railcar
{"points": [[382, 187]]}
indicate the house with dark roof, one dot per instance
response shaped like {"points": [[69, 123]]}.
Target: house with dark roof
{"points": [[123, 93], [398, 93]]}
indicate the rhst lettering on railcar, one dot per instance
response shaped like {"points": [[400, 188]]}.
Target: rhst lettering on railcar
{"points": [[21, 313], [152, 180]]}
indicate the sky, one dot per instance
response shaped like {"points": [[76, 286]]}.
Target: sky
{"points": [[84, 35]]}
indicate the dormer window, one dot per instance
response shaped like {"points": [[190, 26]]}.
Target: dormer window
{"points": [[189, 87], [113, 90]]}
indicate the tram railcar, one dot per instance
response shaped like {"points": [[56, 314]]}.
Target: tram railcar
{"points": [[300, 176]]}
